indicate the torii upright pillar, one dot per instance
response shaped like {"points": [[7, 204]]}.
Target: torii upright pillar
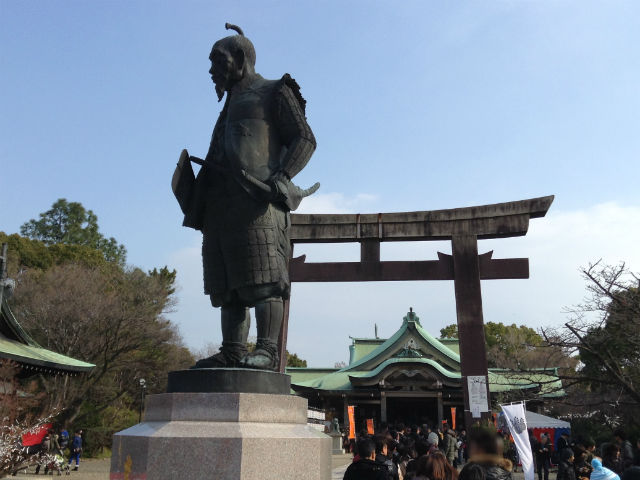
{"points": [[463, 227]]}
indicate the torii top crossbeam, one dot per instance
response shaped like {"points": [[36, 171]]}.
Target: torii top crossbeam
{"points": [[510, 219]]}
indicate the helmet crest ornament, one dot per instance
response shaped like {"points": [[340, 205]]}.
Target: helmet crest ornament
{"points": [[229, 26]]}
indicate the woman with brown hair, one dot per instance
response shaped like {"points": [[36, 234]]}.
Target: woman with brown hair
{"points": [[435, 466]]}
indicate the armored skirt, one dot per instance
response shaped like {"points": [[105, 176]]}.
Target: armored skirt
{"points": [[245, 250]]}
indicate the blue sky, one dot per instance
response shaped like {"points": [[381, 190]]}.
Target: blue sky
{"points": [[416, 105]]}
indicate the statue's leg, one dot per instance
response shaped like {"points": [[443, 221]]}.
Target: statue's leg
{"points": [[269, 321], [235, 321]]}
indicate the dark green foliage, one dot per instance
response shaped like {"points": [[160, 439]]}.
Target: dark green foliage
{"points": [[294, 361], [79, 300], [292, 358], [617, 339], [512, 346], [25, 254], [69, 223], [450, 331], [497, 333], [605, 333]]}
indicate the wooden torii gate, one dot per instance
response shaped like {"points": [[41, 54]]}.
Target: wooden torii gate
{"points": [[464, 227]]}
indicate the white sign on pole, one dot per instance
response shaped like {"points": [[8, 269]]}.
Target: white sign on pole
{"points": [[517, 423], [478, 402]]}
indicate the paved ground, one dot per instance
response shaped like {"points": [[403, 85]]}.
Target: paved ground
{"points": [[99, 470]]}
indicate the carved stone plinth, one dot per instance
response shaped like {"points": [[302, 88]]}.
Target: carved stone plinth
{"points": [[228, 436], [336, 444]]}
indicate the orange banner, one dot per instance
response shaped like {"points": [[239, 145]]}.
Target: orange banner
{"points": [[370, 430], [352, 421], [453, 418]]}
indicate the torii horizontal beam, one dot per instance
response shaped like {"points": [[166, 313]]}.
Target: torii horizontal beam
{"points": [[376, 271]]}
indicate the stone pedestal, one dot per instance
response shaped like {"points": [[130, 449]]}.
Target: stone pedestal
{"points": [[224, 436], [336, 443]]}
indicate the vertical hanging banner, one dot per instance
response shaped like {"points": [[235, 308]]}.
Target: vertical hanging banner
{"points": [[352, 421], [453, 418], [517, 423], [370, 429], [478, 402]]}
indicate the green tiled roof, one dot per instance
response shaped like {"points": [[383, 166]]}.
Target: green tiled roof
{"points": [[371, 356], [499, 381], [17, 345], [40, 357]]}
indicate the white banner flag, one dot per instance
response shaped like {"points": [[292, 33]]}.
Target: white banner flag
{"points": [[517, 423]]}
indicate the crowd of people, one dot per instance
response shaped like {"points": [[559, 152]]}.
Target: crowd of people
{"points": [[422, 453], [57, 452], [583, 460]]}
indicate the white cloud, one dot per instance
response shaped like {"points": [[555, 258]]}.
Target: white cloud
{"points": [[335, 203], [324, 315]]}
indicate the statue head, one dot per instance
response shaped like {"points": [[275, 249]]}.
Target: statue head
{"points": [[232, 59]]}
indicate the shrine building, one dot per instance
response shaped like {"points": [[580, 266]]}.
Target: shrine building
{"points": [[413, 378], [19, 348]]}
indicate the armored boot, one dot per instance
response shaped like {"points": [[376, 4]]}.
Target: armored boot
{"points": [[269, 321], [235, 330]]}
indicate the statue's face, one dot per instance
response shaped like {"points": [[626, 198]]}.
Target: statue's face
{"points": [[226, 69], [221, 65]]}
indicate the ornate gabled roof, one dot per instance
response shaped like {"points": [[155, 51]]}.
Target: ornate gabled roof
{"points": [[410, 336]]}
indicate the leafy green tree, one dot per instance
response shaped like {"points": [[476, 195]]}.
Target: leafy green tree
{"points": [[70, 223], [108, 316], [497, 333], [75, 302], [514, 347], [27, 254], [292, 358], [450, 331], [605, 332], [294, 361]]}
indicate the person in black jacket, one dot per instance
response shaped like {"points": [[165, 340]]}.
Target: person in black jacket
{"points": [[564, 442], [366, 467], [565, 467], [384, 455], [421, 448], [543, 457], [611, 458], [626, 449]]}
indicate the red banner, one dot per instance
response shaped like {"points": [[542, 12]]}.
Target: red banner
{"points": [[453, 418], [352, 421], [370, 430], [30, 439]]}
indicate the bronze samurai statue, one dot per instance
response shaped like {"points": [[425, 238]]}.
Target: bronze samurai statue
{"points": [[241, 199]]}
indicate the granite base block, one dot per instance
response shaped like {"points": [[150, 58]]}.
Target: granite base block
{"points": [[234, 436], [228, 380]]}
